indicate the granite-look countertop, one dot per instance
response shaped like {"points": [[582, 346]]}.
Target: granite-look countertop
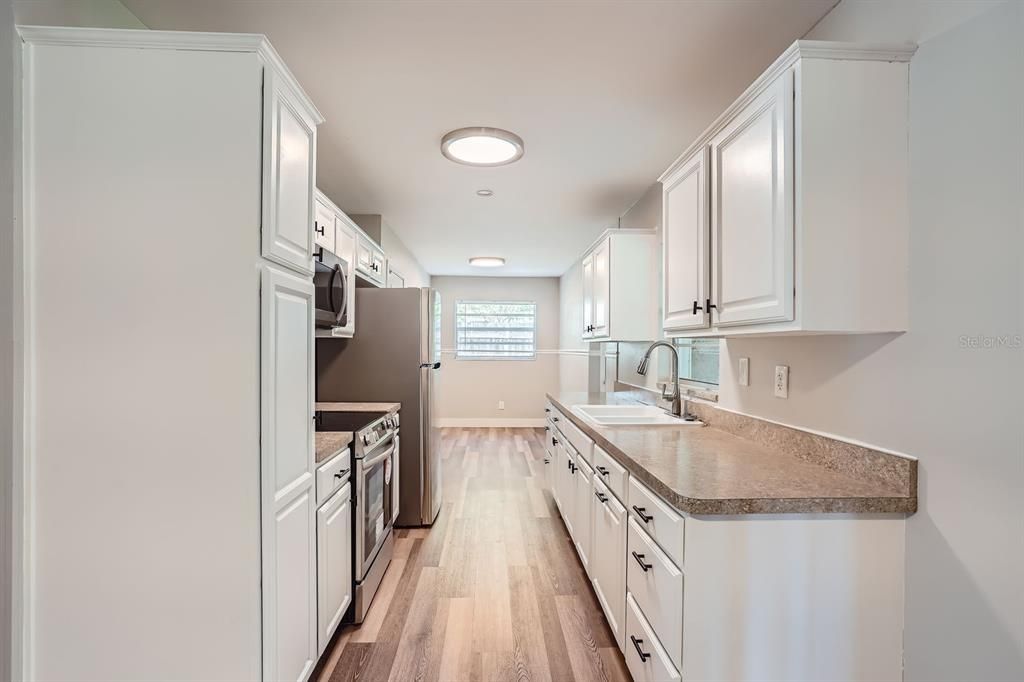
{"points": [[358, 407], [704, 470], [329, 442]]}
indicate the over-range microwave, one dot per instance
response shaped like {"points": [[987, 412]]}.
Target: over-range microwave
{"points": [[331, 281]]}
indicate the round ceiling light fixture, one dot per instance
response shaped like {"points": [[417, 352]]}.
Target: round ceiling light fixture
{"points": [[487, 261], [480, 146], [484, 193]]}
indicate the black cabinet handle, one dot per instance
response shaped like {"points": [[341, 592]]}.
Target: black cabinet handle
{"points": [[641, 511], [708, 305], [696, 308], [636, 643], [601, 470], [640, 560], [547, 461], [602, 497], [318, 228], [554, 419], [572, 467], [554, 441], [546, 409], [340, 474], [547, 428]]}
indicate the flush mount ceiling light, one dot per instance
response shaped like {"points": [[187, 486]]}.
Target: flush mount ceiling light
{"points": [[480, 146], [487, 261], [484, 193]]}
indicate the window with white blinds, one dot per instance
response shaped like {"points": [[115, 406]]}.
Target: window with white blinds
{"points": [[495, 330]]}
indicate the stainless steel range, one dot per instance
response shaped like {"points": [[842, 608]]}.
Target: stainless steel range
{"points": [[375, 496]]}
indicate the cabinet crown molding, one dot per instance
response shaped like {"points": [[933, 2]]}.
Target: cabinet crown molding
{"points": [[171, 40], [801, 49]]}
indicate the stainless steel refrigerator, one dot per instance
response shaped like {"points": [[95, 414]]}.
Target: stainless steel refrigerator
{"points": [[395, 356]]}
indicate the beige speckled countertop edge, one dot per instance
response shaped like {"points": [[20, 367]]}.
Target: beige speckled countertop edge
{"points": [[727, 506], [329, 443]]}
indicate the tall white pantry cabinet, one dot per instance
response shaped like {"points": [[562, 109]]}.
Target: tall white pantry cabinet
{"points": [[167, 462]]}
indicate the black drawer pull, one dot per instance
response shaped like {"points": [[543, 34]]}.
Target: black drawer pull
{"points": [[602, 497], [640, 560], [636, 643], [641, 511], [340, 474], [547, 461], [546, 409], [554, 419], [601, 470], [554, 441]]}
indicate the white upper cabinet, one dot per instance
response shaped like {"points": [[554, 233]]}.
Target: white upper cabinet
{"points": [[339, 237], [684, 244], [789, 214], [752, 211], [619, 296], [370, 260], [289, 175], [323, 227]]}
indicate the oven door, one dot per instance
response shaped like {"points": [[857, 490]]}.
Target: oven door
{"points": [[373, 502]]}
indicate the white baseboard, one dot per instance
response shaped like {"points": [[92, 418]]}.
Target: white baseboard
{"points": [[491, 422]]}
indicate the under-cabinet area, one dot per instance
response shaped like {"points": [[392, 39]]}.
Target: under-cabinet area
{"points": [[511, 341]]}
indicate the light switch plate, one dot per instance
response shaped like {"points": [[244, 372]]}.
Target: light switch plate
{"points": [[744, 371], [781, 381], [501, 404]]}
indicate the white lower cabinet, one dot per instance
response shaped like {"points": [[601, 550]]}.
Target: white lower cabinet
{"points": [[289, 499], [334, 563], [608, 557], [646, 659], [656, 585], [582, 510]]}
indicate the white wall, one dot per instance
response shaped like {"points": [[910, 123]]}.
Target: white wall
{"points": [[7, 217], [469, 390], [923, 392], [94, 13], [401, 259]]}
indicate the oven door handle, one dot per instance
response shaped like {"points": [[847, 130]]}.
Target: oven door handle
{"points": [[367, 463]]}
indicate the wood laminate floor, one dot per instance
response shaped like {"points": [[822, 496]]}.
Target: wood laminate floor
{"points": [[493, 591]]}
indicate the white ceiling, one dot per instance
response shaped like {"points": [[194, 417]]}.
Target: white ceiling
{"points": [[605, 95]]}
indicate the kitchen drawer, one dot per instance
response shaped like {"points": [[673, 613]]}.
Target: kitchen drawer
{"points": [[611, 473], [658, 519], [657, 587], [579, 440], [645, 657], [333, 474]]}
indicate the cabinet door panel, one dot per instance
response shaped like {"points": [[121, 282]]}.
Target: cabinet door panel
{"points": [[608, 557], [752, 211], [582, 511], [286, 475], [334, 563], [601, 288], [588, 295], [323, 228], [685, 245], [289, 162]]}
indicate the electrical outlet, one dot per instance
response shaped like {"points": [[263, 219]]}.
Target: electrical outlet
{"points": [[781, 381], [501, 404], [744, 371]]}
